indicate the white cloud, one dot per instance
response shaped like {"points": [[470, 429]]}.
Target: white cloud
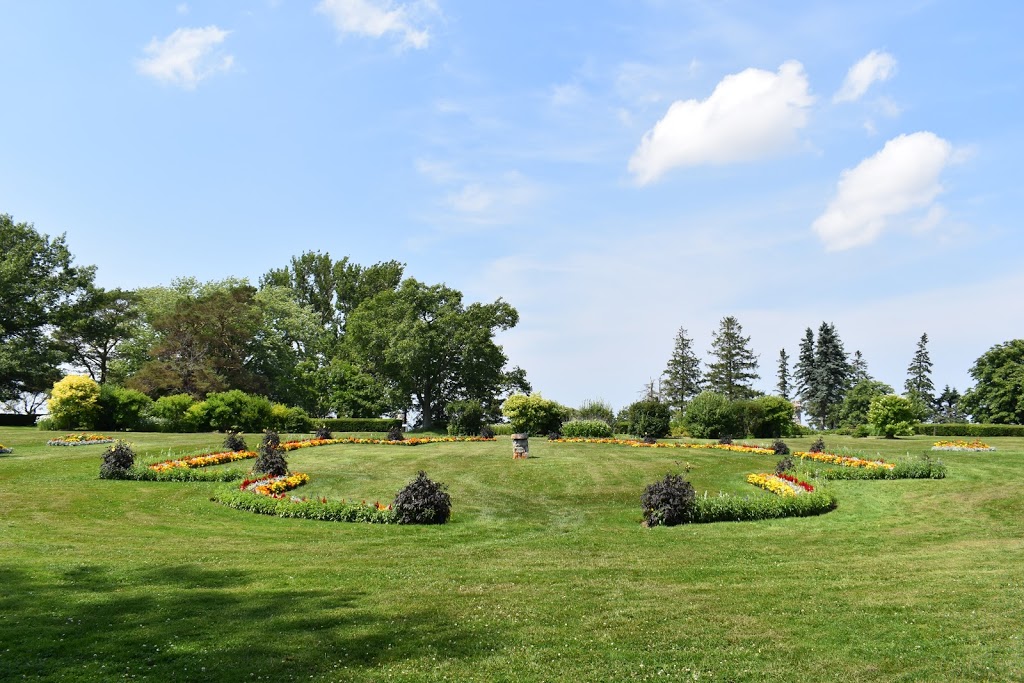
{"points": [[750, 115], [876, 66], [377, 18], [182, 8], [186, 57], [901, 178]]}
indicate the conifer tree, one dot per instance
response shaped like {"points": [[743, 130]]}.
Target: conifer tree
{"points": [[860, 368], [682, 377], [736, 366], [783, 387], [919, 387], [832, 374], [803, 373]]}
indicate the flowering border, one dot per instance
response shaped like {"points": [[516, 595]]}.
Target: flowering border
{"points": [[275, 486], [780, 484], [962, 446], [633, 443], [203, 460], [844, 460], [80, 440]]}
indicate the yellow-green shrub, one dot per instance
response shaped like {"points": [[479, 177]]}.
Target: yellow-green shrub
{"points": [[74, 402]]}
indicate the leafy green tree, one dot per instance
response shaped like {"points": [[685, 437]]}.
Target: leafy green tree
{"points": [[432, 349], [831, 377], [783, 387], [93, 329], [763, 417], [534, 414], [854, 410], [648, 418], [38, 283], [735, 367], [998, 395], [682, 379], [204, 344], [804, 374], [919, 387], [891, 416]]}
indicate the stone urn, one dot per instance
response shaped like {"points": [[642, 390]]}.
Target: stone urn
{"points": [[520, 446]]}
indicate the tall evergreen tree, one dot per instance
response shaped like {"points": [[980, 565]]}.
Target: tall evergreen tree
{"points": [[682, 378], [860, 368], [783, 387], [803, 373], [736, 366], [947, 407], [831, 377], [919, 387]]}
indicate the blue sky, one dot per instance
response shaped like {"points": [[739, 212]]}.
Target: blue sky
{"points": [[615, 170]]}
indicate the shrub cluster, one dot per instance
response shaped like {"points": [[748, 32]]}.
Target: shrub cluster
{"points": [[668, 502], [595, 410], [648, 418], [395, 434], [323, 432], [271, 458], [464, 418], [118, 461], [923, 467], [710, 415], [361, 424], [780, 447], [963, 429], [422, 501], [818, 446], [533, 414], [587, 429]]}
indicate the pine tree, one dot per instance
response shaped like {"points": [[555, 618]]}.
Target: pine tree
{"points": [[947, 407], [682, 378], [919, 387], [832, 374], [736, 366], [860, 368], [803, 373], [783, 386]]}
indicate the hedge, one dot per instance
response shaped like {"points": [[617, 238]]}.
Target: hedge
{"points": [[964, 429], [329, 511], [728, 508], [11, 420], [358, 424]]}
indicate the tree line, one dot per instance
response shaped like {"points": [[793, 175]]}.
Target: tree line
{"points": [[329, 336], [834, 388]]}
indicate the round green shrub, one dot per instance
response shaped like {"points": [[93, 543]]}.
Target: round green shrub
{"points": [[464, 417], [708, 416]]}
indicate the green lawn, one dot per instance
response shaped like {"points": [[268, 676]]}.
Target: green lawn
{"points": [[543, 574]]}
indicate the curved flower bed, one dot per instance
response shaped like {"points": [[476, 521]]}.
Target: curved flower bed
{"points": [[844, 460], [741, 448], [780, 484], [972, 446], [204, 460], [80, 440], [275, 486]]}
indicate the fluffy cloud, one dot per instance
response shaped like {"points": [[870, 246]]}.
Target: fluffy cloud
{"points": [[750, 115], [376, 19], [186, 57], [901, 178], [876, 66]]}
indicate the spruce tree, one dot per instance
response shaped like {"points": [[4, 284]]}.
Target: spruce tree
{"points": [[947, 407], [783, 387], [919, 387], [682, 378], [736, 366], [860, 369], [803, 373], [831, 377]]}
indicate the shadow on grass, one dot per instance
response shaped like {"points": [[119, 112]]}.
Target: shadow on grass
{"points": [[187, 623]]}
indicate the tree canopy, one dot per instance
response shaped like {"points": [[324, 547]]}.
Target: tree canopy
{"points": [[998, 395]]}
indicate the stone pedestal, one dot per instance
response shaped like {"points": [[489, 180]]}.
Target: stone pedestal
{"points": [[520, 446]]}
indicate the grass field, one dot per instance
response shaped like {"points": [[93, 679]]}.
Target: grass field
{"points": [[543, 574]]}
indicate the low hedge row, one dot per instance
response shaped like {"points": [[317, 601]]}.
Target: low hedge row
{"points": [[922, 468], [330, 511], [11, 420], [358, 424], [965, 429], [727, 508], [184, 474]]}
